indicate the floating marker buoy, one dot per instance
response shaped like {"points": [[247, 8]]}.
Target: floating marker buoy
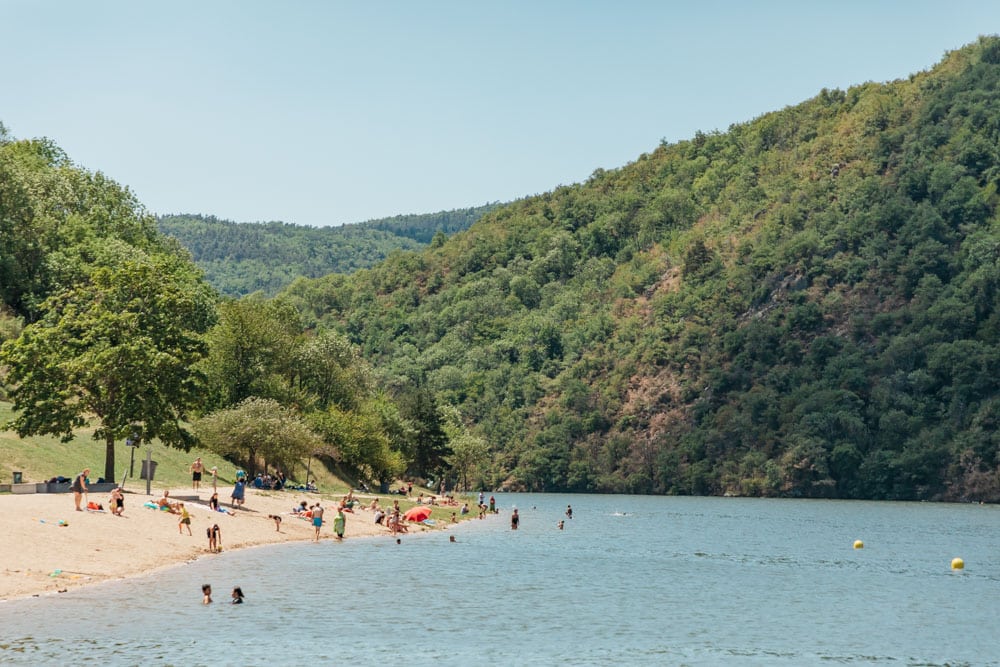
{"points": [[957, 564], [858, 544]]}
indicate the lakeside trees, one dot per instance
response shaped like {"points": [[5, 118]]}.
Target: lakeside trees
{"points": [[113, 318]]}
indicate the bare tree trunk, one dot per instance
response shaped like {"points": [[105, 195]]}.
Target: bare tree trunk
{"points": [[109, 459]]}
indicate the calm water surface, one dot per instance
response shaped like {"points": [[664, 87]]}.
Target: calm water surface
{"points": [[632, 580]]}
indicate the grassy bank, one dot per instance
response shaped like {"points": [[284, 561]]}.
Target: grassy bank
{"points": [[40, 458]]}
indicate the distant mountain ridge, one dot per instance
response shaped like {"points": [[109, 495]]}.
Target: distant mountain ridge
{"points": [[242, 258]]}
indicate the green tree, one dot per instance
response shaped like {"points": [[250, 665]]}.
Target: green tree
{"points": [[259, 430], [121, 348], [251, 350]]}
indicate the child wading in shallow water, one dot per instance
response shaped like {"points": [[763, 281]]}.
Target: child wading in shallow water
{"points": [[206, 591]]}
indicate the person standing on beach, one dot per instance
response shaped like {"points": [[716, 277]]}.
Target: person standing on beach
{"points": [[339, 524], [239, 492], [185, 519], [196, 469], [215, 479], [79, 488], [317, 517]]}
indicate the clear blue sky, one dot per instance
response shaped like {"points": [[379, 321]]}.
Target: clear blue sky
{"points": [[326, 112]]}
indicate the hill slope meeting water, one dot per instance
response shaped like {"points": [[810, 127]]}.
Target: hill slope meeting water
{"points": [[804, 305]]}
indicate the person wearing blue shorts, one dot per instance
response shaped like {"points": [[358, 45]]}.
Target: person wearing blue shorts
{"points": [[317, 516]]}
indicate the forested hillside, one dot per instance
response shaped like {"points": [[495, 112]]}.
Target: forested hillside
{"points": [[108, 330], [805, 304], [242, 258]]}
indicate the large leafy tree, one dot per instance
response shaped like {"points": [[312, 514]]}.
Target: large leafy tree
{"points": [[119, 348], [259, 429], [252, 349]]}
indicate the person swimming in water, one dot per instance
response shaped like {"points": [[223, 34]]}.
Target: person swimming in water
{"points": [[237, 595]]}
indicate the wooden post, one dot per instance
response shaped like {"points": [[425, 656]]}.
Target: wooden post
{"points": [[149, 469]]}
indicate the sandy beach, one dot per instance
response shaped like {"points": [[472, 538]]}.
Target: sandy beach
{"points": [[50, 547]]}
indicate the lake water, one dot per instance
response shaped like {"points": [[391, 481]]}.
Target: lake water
{"points": [[632, 580]]}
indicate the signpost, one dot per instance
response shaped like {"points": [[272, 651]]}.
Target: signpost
{"points": [[149, 469]]}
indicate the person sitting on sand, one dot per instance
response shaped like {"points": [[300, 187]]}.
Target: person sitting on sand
{"points": [[165, 503], [117, 501], [301, 509], [213, 503]]}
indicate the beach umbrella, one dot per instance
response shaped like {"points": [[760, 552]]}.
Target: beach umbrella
{"points": [[417, 514]]}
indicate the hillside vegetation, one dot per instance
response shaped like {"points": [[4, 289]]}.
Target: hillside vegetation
{"points": [[109, 331], [805, 304], [242, 258]]}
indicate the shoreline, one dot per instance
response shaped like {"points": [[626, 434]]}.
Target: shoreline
{"points": [[52, 548]]}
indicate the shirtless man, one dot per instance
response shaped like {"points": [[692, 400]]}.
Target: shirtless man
{"points": [[317, 519], [196, 469]]}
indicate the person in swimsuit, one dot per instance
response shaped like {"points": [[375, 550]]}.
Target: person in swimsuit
{"points": [[237, 595], [206, 592], [196, 469], [117, 501], [515, 520], [317, 517]]}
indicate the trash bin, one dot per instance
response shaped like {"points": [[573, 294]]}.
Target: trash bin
{"points": [[18, 477], [148, 472]]}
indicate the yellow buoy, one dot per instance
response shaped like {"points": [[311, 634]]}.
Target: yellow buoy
{"points": [[858, 544], [957, 564]]}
